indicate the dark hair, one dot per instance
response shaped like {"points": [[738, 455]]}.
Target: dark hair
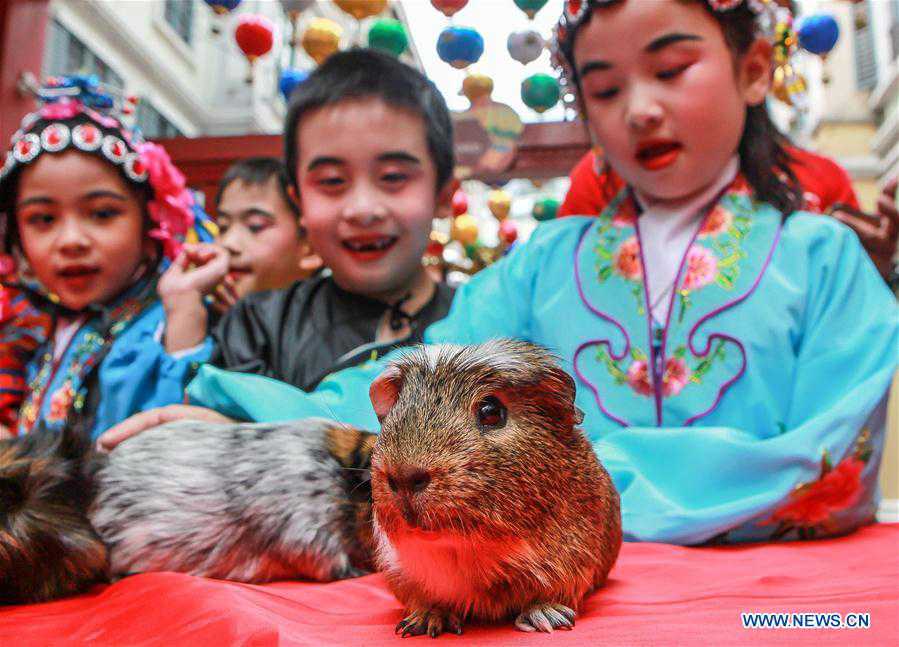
{"points": [[257, 170], [764, 160], [365, 73]]}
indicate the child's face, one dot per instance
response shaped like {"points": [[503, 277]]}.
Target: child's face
{"points": [[261, 234], [367, 193], [662, 94], [80, 226]]}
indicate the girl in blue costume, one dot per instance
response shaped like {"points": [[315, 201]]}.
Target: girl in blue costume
{"points": [[732, 357], [89, 211]]}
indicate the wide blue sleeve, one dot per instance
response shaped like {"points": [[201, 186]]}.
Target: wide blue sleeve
{"points": [[688, 485], [496, 303], [138, 374]]}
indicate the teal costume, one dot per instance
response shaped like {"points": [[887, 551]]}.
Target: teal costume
{"points": [[757, 411]]}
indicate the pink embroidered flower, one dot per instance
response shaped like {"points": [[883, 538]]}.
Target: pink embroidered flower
{"points": [[7, 264], [811, 202], [62, 109], [677, 376], [702, 267], [627, 259], [60, 402], [717, 222], [638, 377], [834, 491]]}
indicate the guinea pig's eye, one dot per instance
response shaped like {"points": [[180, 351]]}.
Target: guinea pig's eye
{"points": [[491, 413]]}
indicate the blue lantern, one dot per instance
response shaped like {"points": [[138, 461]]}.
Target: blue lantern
{"points": [[290, 79], [221, 7], [818, 33], [460, 46]]}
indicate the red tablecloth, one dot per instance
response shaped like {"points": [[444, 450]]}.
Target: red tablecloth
{"points": [[658, 595]]}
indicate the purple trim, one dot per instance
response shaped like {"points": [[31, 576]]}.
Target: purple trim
{"points": [[714, 336], [596, 342]]}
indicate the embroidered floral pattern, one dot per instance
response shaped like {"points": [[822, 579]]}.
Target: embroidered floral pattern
{"points": [[60, 402], [626, 260]]}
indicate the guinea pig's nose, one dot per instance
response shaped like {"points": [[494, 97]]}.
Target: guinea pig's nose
{"points": [[407, 477]]}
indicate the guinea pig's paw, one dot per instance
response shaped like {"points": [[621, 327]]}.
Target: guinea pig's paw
{"points": [[429, 621], [545, 616]]}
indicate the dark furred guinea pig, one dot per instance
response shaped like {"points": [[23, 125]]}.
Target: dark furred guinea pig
{"points": [[489, 502]]}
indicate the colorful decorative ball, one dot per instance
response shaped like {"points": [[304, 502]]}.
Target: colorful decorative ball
{"points": [[540, 92], [294, 8], [321, 39], [221, 7], [530, 7], [448, 7], [290, 79], [500, 203], [460, 203], [465, 229], [477, 86], [360, 9], [255, 35], [525, 46], [818, 33], [460, 46], [389, 36], [545, 209], [508, 232]]}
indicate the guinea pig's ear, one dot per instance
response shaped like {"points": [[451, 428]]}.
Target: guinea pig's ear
{"points": [[561, 386], [385, 390]]}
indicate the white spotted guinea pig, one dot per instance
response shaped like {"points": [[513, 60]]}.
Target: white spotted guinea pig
{"points": [[489, 502]]}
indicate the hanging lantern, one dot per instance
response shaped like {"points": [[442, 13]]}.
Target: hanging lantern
{"points": [[465, 230], [500, 203], [293, 9], [818, 33], [525, 46], [448, 7], [530, 7], [389, 36], [540, 92], [508, 232], [255, 36], [289, 81], [545, 209], [221, 8], [360, 9], [477, 86], [460, 203], [321, 39], [460, 46]]}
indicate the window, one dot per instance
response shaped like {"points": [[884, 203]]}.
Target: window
{"points": [[152, 124], [863, 45], [65, 54], [894, 27], [179, 14]]}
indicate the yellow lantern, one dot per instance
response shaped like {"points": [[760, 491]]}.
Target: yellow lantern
{"points": [[360, 9], [321, 39], [477, 86], [465, 230], [499, 203]]}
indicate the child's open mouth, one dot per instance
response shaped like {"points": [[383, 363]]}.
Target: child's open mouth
{"points": [[655, 155], [78, 277], [369, 247]]}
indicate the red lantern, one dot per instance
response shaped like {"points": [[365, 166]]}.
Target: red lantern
{"points": [[508, 231], [255, 36], [448, 7], [460, 203]]}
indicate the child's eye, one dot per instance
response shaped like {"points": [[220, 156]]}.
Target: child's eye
{"points": [[671, 73], [605, 95], [105, 214], [41, 220], [331, 181], [394, 178]]}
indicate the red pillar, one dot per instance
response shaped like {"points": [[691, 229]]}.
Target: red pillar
{"points": [[23, 26]]}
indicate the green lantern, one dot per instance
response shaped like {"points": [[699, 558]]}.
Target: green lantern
{"points": [[530, 7], [545, 209], [388, 36], [540, 92]]}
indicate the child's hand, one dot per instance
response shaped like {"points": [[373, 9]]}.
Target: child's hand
{"points": [[196, 272], [144, 420], [877, 233], [225, 295]]}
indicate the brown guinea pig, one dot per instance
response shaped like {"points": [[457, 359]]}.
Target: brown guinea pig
{"points": [[489, 502]]}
